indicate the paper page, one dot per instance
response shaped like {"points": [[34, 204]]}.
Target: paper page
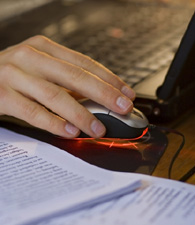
{"points": [[162, 202], [37, 179]]}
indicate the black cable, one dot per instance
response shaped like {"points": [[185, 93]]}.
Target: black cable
{"points": [[169, 130], [188, 174]]}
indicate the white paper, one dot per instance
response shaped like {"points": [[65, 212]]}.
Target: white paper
{"points": [[38, 180], [159, 203]]}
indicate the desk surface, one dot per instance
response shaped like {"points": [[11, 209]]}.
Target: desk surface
{"points": [[186, 159]]}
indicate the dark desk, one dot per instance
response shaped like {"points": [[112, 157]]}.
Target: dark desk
{"points": [[186, 159]]}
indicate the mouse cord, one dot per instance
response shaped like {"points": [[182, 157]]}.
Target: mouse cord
{"points": [[169, 130]]}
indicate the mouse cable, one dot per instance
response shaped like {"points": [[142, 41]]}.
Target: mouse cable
{"points": [[169, 130]]}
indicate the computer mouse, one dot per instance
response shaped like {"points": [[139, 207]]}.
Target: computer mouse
{"points": [[132, 125]]}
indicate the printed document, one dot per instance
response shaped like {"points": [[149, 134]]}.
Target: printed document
{"points": [[37, 180], [162, 202], [43, 185]]}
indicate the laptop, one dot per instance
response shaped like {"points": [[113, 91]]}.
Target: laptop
{"points": [[171, 91], [141, 41]]}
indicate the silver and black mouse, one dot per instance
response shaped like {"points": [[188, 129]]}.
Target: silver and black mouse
{"points": [[127, 126]]}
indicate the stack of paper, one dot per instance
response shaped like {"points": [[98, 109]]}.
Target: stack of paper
{"points": [[41, 184]]}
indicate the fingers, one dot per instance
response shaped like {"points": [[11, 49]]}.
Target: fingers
{"points": [[35, 76], [71, 77], [58, 51], [51, 96], [18, 106]]}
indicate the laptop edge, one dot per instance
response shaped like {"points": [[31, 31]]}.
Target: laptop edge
{"points": [[176, 94]]}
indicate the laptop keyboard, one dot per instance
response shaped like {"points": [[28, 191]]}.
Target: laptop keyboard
{"points": [[133, 40]]}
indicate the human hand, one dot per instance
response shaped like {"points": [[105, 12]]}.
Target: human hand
{"points": [[39, 79]]}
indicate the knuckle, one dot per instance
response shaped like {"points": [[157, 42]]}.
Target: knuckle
{"points": [[30, 111], [80, 115], [109, 96], [89, 63], [22, 51], [78, 75], [6, 69], [117, 81], [38, 39], [52, 93], [106, 92], [51, 123]]}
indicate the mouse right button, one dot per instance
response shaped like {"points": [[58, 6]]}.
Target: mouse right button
{"points": [[134, 119]]}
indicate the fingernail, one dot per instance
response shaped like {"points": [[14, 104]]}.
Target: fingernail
{"points": [[123, 103], [127, 91], [97, 128], [71, 129]]}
